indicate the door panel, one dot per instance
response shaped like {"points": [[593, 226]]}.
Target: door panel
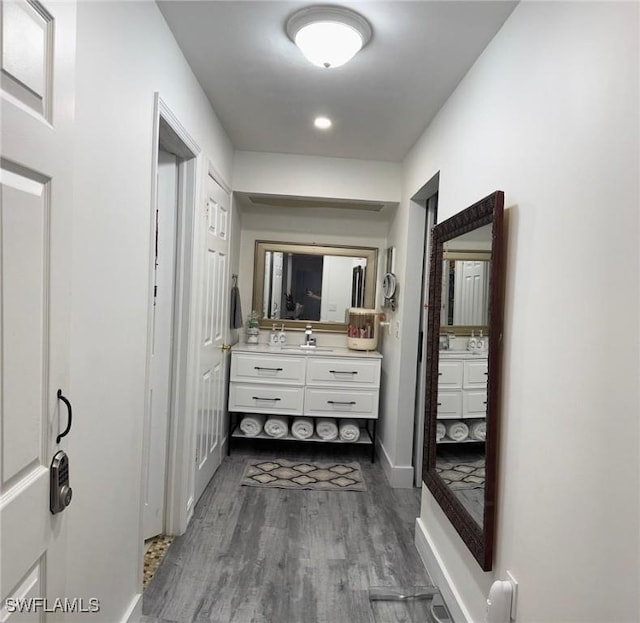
{"points": [[37, 74], [214, 306]]}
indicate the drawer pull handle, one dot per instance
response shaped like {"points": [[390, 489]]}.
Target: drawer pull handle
{"points": [[439, 373], [260, 398], [486, 373], [343, 371], [341, 402], [439, 404], [272, 369]]}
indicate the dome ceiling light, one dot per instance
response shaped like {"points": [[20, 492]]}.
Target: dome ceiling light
{"points": [[328, 36]]}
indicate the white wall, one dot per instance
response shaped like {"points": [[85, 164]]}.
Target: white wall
{"points": [[549, 114], [125, 53]]}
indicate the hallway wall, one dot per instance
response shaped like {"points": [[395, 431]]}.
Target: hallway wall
{"points": [[549, 114], [125, 53]]}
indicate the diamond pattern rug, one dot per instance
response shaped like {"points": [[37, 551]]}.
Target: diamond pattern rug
{"points": [[284, 474], [462, 475]]}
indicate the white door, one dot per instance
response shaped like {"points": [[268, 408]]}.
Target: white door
{"points": [[214, 307], [470, 302], [37, 60], [161, 342]]}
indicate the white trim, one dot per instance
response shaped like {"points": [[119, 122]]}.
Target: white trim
{"points": [[399, 476], [439, 574], [178, 461], [134, 611], [218, 177]]}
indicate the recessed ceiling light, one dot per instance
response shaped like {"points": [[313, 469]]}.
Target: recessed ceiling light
{"points": [[328, 36], [322, 123]]}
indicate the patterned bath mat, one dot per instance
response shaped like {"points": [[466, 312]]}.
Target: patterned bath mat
{"points": [[284, 474], [153, 557], [462, 475]]}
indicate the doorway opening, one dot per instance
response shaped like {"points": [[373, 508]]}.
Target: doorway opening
{"points": [[428, 197], [170, 268]]}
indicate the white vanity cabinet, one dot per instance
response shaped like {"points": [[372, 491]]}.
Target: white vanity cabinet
{"points": [[462, 388], [336, 383]]}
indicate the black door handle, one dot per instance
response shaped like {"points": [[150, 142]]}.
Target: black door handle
{"points": [[65, 432]]}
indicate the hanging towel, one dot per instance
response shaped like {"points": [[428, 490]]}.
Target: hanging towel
{"points": [[478, 430], [349, 430], [458, 431], [236, 310], [252, 425], [327, 429], [276, 426], [441, 431], [302, 428]]}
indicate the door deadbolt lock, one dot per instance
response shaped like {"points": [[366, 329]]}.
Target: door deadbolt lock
{"points": [[61, 492]]}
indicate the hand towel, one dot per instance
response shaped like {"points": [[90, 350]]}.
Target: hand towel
{"points": [[349, 430], [327, 428], [458, 431], [441, 431], [302, 427], [236, 310], [478, 430], [276, 426], [252, 425]]}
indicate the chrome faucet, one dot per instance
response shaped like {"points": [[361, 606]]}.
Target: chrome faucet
{"points": [[309, 340]]}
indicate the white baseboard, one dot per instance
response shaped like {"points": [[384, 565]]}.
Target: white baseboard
{"points": [[439, 574], [399, 476], [134, 611]]}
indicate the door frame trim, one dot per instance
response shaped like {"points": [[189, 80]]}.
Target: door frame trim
{"points": [[179, 498]]}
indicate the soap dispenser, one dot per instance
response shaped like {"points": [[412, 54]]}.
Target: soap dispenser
{"points": [[282, 336], [472, 344], [482, 343], [273, 338]]}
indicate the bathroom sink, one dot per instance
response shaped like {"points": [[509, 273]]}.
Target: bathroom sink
{"points": [[303, 348]]}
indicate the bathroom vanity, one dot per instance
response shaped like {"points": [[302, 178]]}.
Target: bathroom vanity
{"points": [[462, 389], [312, 382]]}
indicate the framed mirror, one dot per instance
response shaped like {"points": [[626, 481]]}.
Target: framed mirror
{"points": [[463, 371], [301, 284]]}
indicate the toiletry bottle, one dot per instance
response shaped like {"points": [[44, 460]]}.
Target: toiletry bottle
{"points": [[482, 343], [273, 338], [472, 344], [282, 336]]}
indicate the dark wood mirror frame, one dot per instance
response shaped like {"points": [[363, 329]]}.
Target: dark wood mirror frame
{"points": [[479, 539]]}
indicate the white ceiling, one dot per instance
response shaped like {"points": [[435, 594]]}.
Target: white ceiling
{"points": [[267, 95]]}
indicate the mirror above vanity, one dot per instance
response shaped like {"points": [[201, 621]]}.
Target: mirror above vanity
{"points": [[463, 370], [299, 284]]}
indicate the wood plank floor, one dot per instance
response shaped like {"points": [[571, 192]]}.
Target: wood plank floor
{"points": [[260, 555]]}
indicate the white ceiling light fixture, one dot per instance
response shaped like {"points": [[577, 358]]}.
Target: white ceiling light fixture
{"points": [[322, 123], [328, 36]]}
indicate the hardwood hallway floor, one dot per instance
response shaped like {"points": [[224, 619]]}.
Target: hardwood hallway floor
{"points": [[261, 555]]}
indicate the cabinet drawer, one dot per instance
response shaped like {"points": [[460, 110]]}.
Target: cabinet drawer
{"points": [[475, 373], [351, 371], [450, 374], [274, 399], [268, 368], [341, 403], [474, 403], [449, 404]]}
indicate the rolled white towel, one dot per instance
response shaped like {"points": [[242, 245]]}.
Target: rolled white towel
{"points": [[252, 425], [276, 426], [349, 430], [458, 431], [302, 427], [478, 430], [441, 431], [327, 429]]}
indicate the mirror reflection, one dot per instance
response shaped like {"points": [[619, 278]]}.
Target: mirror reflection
{"points": [[464, 329], [297, 284]]}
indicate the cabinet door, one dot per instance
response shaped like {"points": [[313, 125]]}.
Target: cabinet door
{"points": [[474, 403], [450, 374], [475, 373], [449, 404]]}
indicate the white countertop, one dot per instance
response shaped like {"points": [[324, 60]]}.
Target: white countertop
{"points": [[462, 354], [292, 349]]}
